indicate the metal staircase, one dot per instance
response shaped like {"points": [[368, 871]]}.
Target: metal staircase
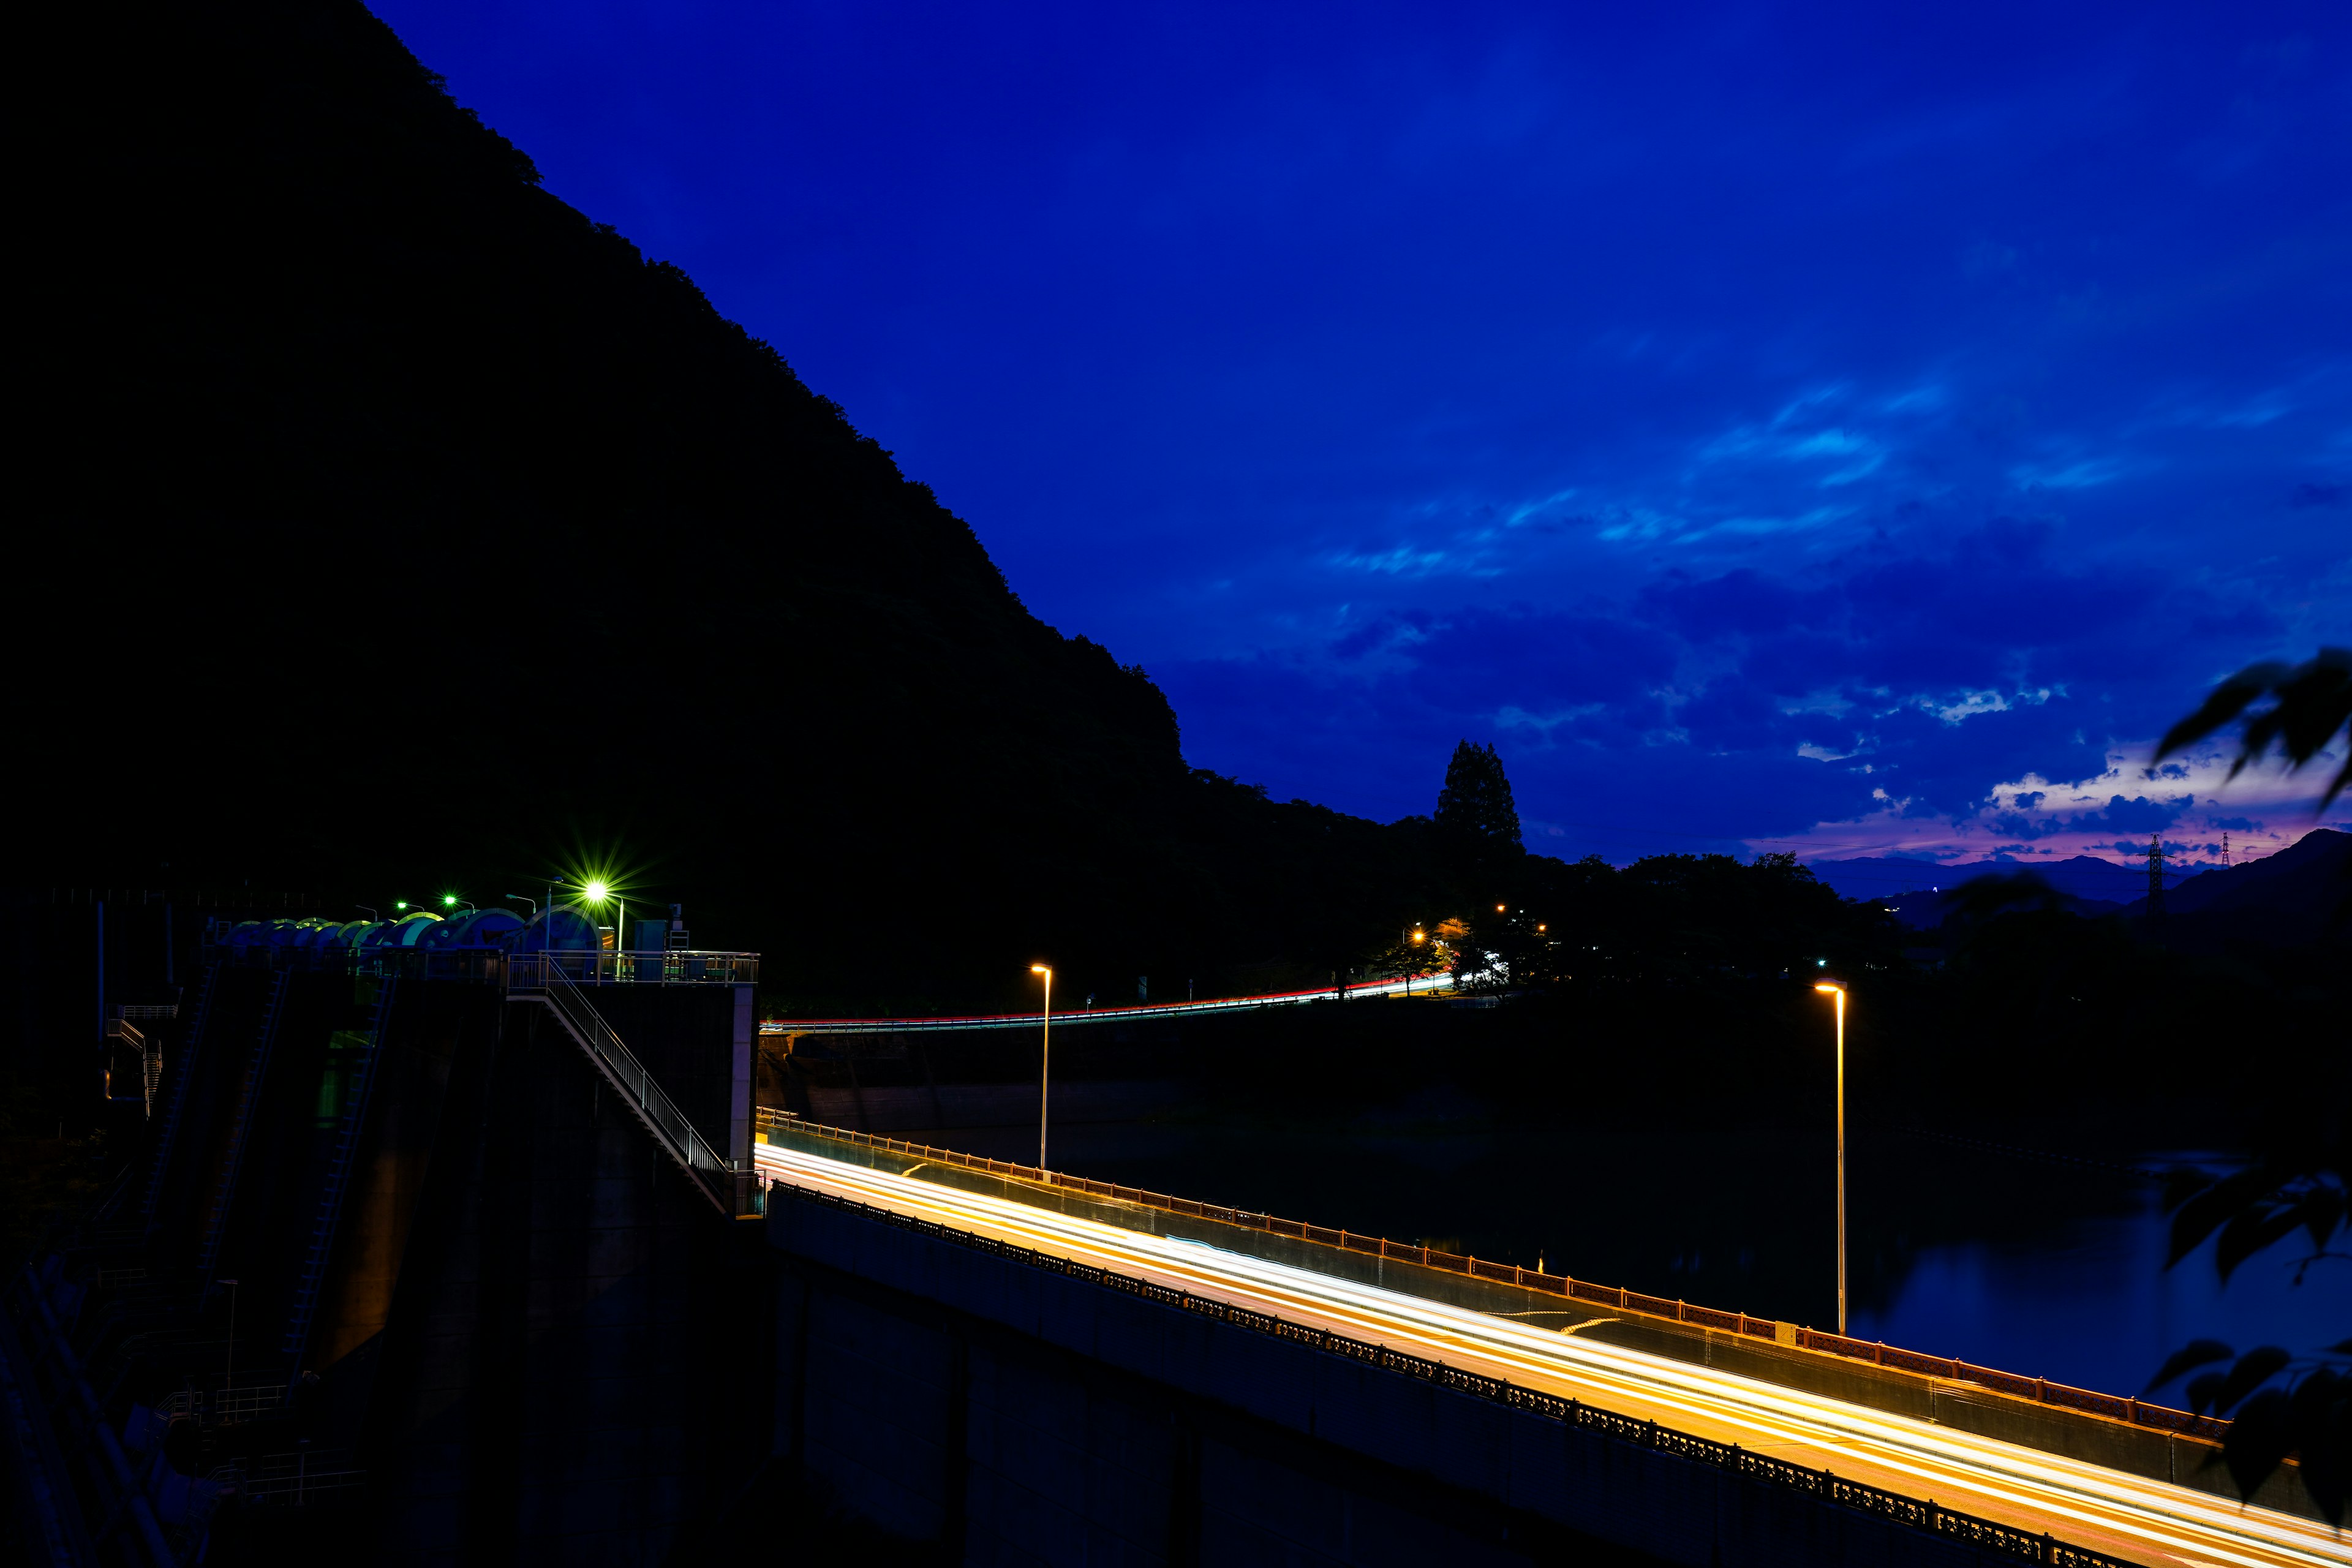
{"points": [[713, 1174], [248, 1091], [160, 1161], [339, 1176]]}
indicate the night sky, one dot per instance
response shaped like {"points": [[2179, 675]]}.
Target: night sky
{"points": [[1772, 427]]}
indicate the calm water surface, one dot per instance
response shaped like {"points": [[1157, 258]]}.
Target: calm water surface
{"points": [[2031, 1265]]}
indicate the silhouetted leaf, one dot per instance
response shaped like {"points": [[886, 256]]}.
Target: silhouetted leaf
{"points": [[2216, 1203], [2321, 1418], [2182, 1183], [2197, 1352], [2228, 701], [2250, 1233], [2260, 1436], [2314, 700], [2203, 1390], [2323, 1215], [2254, 1368]]}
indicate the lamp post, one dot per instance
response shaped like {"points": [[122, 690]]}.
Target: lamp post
{"points": [[1832, 988], [1045, 1060]]}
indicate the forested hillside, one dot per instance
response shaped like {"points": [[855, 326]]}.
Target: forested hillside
{"points": [[399, 527]]}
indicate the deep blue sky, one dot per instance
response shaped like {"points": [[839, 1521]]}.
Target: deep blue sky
{"points": [[1844, 428]]}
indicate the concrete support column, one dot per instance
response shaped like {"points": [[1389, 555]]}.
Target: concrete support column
{"points": [[739, 1113]]}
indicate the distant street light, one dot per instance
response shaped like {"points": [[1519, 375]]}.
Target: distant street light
{"points": [[1832, 988], [1045, 1065]]}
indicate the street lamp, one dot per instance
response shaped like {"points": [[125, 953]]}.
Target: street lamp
{"points": [[1832, 988], [1045, 1067]]}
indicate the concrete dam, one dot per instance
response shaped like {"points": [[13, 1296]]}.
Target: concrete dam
{"points": [[484, 1251]]}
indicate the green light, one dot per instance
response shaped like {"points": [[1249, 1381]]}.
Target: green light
{"points": [[400, 903], [449, 901], [595, 892]]}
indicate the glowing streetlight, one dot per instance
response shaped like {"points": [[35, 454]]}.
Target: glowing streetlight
{"points": [[1045, 1062], [1832, 988]]}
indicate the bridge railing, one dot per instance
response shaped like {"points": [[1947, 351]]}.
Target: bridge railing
{"points": [[1991, 1536], [769, 1122], [671, 966], [1070, 1017]]}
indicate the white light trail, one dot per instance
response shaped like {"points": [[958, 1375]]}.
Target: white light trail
{"points": [[2106, 1510]]}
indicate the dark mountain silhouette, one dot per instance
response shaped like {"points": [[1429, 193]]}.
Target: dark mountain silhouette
{"points": [[393, 526], [2295, 895], [1926, 910], [2082, 877]]}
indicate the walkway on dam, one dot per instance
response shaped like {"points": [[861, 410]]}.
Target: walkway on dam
{"points": [[2081, 1504], [1418, 985]]}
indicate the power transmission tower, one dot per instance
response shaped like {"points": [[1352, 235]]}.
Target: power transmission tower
{"points": [[2155, 876], [2225, 851]]}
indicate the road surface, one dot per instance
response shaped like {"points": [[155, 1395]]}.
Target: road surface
{"points": [[2123, 1515]]}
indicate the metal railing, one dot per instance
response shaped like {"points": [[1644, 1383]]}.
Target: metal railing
{"points": [[697, 1155], [667, 966], [1359, 991], [586, 966], [301, 1479], [2114, 1407], [2006, 1540]]}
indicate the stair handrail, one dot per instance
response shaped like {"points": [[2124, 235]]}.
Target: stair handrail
{"points": [[621, 1067]]}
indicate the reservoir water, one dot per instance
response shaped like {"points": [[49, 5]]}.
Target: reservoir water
{"points": [[2033, 1260]]}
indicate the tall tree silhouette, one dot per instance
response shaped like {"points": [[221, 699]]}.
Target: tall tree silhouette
{"points": [[1475, 820]]}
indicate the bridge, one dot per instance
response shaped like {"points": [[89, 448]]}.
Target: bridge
{"points": [[1418, 986], [451, 1252], [1288, 1386]]}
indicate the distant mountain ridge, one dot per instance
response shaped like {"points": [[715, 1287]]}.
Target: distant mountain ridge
{"points": [[2306, 880], [2291, 896], [2080, 877]]}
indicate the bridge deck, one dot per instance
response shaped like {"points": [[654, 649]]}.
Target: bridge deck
{"points": [[2126, 1516]]}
